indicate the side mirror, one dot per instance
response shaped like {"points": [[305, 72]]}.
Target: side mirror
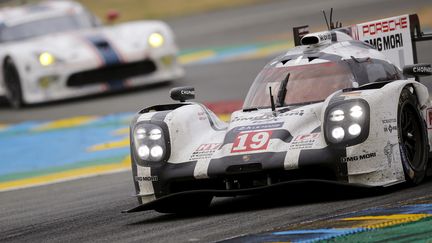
{"points": [[421, 69], [182, 93], [112, 15]]}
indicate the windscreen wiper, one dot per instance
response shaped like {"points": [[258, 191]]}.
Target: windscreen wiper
{"points": [[282, 91]]}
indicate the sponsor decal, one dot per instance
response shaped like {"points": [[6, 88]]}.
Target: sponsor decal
{"points": [[268, 117], [202, 116], [259, 127], [385, 26], [304, 141], [390, 125], [391, 36], [146, 178], [422, 69], [251, 141], [246, 158], [187, 92], [386, 121], [429, 118], [205, 151], [390, 128], [358, 157], [388, 151], [387, 42], [324, 37]]}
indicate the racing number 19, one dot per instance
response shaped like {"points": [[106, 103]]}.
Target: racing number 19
{"points": [[251, 141]]}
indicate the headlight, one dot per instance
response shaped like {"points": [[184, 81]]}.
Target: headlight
{"points": [[143, 152], [354, 129], [156, 40], [347, 122], [337, 115], [156, 152], [356, 111], [149, 142], [155, 134], [46, 59], [338, 133]]}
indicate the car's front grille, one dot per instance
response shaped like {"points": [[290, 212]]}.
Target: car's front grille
{"points": [[111, 73]]}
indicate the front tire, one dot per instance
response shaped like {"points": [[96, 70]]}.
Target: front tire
{"points": [[413, 141], [13, 85]]}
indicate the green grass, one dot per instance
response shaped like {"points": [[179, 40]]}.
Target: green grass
{"points": [[154, 9]]}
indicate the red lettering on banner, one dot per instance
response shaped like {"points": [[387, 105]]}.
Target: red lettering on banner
{"points": [[385, 26]]}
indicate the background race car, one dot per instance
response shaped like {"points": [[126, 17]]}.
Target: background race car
{"points": [[58, 49], [333, 109]]}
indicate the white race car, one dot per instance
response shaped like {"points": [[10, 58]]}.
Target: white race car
{"points": [[58, 49], [333, 109]]}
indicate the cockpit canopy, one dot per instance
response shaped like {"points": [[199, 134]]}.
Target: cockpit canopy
{"points": [[315, 82]]}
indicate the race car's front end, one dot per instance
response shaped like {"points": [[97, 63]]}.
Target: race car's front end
{"points": [[88, 62], [350, 139]]}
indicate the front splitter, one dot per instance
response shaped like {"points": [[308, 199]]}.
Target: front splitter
{"points": [[165, 200]]}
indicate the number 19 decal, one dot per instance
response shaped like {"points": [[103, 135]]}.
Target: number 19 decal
{"points": [[251, 141]]}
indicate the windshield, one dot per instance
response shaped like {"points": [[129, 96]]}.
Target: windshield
{"points": [[45, 26], [306, 83]]}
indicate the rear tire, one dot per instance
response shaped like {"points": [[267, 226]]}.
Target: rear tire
{"points": [[13, 85], [413, 141], [190, 205]]}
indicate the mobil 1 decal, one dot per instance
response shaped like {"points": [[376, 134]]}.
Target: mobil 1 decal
{"points": [[391, 36]]}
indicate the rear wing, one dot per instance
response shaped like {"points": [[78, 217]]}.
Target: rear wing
{"points": [[417, 34], [396, 37]]}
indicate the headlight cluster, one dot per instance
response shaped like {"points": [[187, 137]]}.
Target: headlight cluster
{"points": [[347, 122], [46, 59], [156, 40], [149, 142]]}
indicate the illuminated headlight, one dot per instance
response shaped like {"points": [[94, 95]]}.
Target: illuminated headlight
{"points": [[354, 129], [46, 59], [347, 122], [143, 152], [155, 134], [356, 111], [140, 133], [156, 40], [157, 152], [338, 133], [149, 142], [337, 115]]}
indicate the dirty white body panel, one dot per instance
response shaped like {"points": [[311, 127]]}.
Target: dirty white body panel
{"points": [[289, 138]]}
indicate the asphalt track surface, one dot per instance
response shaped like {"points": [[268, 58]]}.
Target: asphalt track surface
{"points": [[89, 209]]}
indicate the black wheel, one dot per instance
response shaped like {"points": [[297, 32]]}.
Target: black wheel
{"points": [[189, 205], [413, 139], [13, 85]]}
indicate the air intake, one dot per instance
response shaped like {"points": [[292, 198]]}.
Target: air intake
{"points": [[310, 40], [318, 38]]}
